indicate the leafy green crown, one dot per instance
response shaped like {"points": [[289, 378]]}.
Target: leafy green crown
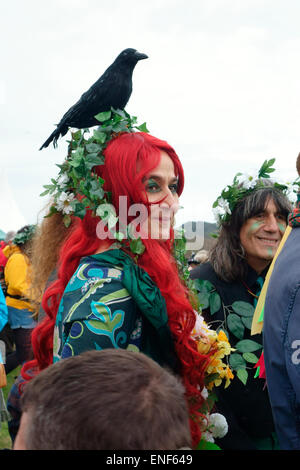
{"points": [[244, 184], [77, 188], [25, 235]]}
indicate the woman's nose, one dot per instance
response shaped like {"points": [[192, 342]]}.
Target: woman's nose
{"points": [[170, 199]]}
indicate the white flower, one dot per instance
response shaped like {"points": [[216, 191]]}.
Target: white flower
{"points": [[204, 393], [63, 202], [63, 180], [291, 191], [207, 436], [219, 426], [221, 209], [248, 180], [200, 328]]}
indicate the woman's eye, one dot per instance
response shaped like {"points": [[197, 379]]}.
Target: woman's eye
{"points": [[152, 187], [174, 188]]}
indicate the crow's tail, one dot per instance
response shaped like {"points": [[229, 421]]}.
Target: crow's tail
{"points": [[59, 131]]}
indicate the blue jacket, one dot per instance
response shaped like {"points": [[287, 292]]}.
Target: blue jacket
{"points": [[3, 310], [281, 336]]}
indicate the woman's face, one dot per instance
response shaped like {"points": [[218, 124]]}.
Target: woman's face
{"points": [[161, 186]]}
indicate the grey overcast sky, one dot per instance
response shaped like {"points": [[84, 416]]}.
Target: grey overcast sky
{"points": [[221, 85]]}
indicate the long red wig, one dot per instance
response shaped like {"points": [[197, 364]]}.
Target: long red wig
{"points": [[128, 158]]}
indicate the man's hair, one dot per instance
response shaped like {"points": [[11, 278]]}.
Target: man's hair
{"points": [[106, 400], [228, 257]]}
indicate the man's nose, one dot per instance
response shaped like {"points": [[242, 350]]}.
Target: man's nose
{"points": [[271, 224]]}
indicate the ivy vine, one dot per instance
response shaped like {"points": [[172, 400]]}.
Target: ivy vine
{"points": [[237, 320]]}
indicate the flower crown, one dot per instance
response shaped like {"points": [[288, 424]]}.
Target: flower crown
{"points": [[26, 234], [77, 188], [244, 184]]}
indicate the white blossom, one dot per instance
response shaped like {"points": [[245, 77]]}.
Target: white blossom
{"points": [[221, 209], [219, 426], [291, 192], [248, 180], [63, 202], [207, 436], [62, 180]]}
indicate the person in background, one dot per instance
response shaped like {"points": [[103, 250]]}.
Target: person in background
{"points": [[197, 258], [6, 333], [252, 216], [20, 310], [104, 400], [281, 333]]}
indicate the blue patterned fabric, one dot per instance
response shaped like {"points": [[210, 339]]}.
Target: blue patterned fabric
{"points": [[96, 312]]}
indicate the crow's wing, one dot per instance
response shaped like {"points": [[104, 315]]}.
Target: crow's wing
{"points": [[101, 96]]}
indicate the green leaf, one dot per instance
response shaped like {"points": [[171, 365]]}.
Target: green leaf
{"points": [[247, 345], [205, 445], [236, 361], [247, 321], [214, 302], [250, 357], [119, 236], [235, 325], [204, 299], [100, 136], [211, 377], [93, 148], [143, 128], [76, 135], [44, 193], [204, 286], [67, 220], [137, 246], [243, 308], [103, 116], [242, 374]]}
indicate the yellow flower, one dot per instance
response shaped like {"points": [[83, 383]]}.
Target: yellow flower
{"points": [[222, 336]]}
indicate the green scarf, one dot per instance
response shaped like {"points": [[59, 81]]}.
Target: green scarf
{"points": [[158, 338]]}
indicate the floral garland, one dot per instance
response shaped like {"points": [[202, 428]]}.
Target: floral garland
{"points": [[77, 188], [213, 425], [244, 184]]}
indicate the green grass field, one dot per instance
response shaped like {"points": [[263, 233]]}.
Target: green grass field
{"points": [[5, 441]]}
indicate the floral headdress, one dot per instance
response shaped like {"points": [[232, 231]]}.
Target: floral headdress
{"points": [[244, 184], [77, 188]]}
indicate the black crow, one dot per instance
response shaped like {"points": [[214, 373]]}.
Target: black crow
{"points": [[111, 90]]}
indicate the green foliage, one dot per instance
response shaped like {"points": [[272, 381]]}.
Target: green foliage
{"points": [[78, 188], [208, 296], [237, 320]]}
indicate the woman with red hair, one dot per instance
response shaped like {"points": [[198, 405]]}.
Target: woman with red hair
{"points": [[109, 295]]}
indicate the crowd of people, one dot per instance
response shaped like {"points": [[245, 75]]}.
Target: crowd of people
{"points": [[144, 348]]}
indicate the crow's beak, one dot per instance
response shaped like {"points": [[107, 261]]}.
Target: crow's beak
{"points": [[140, 56]]}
